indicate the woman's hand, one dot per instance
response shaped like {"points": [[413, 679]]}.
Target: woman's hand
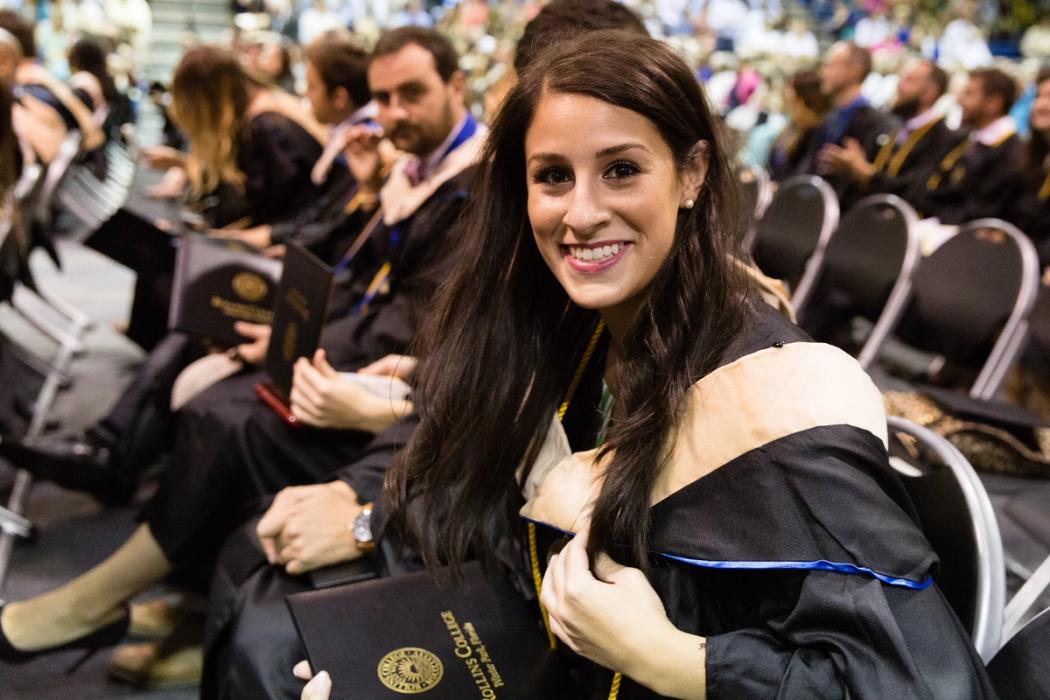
{"points": [[614, 618], [323, 399], [256, 236], [164, 157], [254, 351], [319, 686], [400, 366]]}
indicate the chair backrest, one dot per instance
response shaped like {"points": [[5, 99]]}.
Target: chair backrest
{"points": [[956, 516], [794, 230], [1020, 670], [868, 267], [972, 299]]}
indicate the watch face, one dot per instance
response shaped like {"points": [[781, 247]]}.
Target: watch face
{"points": [[363, 526]]}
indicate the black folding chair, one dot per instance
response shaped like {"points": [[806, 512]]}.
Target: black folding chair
{"points": [[1020, 670], [792, 234], [972, 299], [956, 517], [867, 269]]}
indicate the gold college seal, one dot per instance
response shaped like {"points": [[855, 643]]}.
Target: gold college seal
{"points": [[410, 670], [249, 286]]}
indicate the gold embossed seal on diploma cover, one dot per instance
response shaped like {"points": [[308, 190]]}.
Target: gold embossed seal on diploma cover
{"points": [[410, 670], [249, 286]]}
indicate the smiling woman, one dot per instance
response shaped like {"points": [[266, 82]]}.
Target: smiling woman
{"points": [[740, 531], [604, 220]]}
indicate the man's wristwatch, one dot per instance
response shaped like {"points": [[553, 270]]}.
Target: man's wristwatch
{"points": [[362, 529]]}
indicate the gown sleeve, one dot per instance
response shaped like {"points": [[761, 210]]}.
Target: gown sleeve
{"points": [[828, 635]]}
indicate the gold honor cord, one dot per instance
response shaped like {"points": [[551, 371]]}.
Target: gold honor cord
{"points": [[956, 153], [1044, 191], [534, 559], [885, 151], [897, 162]]}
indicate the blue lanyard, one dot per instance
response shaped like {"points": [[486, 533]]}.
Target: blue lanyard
{"points": [[469, 128]]}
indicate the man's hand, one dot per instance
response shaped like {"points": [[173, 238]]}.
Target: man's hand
{"points": [[323, 399], [361, 149], [253, 352], [848, 160], [308, 527], [399, 366]]}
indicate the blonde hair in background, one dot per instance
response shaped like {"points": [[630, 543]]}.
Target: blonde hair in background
{"points": [[211, 94]]}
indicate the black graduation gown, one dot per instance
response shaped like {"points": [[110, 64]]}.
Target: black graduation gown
{"points": [[1030, 212], [327, 226], [869, 127], [908, 176], [979, 184], [789, 155], [797, 559], [276, 155]]}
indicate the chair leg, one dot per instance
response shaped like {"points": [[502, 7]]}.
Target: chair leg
{"points": [[24, 480], [1023, 601]]}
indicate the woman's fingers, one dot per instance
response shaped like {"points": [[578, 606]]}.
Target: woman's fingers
{"points": [[302, 670], [320, 688]]}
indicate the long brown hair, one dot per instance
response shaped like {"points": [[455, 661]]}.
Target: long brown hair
{"points": [[211, 93], [504, 337]]}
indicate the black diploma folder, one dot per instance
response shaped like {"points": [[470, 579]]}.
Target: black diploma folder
{"points": [[406, 635], [299, 316], [218, 283]]}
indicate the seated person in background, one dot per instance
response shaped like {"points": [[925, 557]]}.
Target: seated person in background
{"points": [[87, 63], [252, 147], [1030, 208], [806, 107], [46, 98], [1029, 383], [107, 457], [251, 151], [231, 450], [337, 89], [842, 73], [906, 160], [727, 545], [979, 177]]}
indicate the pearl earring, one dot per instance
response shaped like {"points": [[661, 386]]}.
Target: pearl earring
{"points": [[688, 204]]}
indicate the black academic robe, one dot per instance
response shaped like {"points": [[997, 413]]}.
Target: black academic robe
{"points": [[782, 536], [869, 127], [905, 168], [980, 183], [276, 155], [790, 152], [327, 225], [1029, 210]]}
